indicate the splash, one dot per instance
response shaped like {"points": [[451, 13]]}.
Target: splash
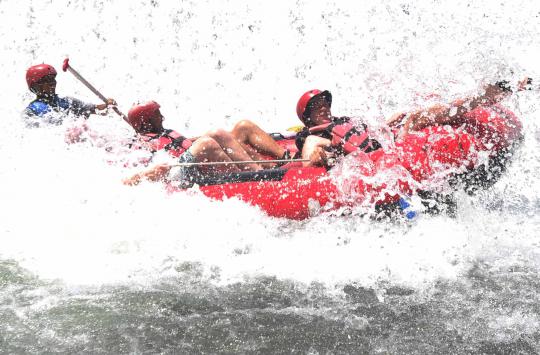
{"points": [[68, 217]]}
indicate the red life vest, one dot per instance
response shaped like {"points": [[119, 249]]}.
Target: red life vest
{"points": [[173, 142], [347, 136]]}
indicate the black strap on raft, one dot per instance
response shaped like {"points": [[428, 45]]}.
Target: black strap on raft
{"points": [[237, 177]]}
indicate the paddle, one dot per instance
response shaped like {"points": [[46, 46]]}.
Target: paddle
{"points": [[76, 74]]}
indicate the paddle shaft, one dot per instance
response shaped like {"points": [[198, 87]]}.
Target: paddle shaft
{"points": [[90, 86], [243, 162]]}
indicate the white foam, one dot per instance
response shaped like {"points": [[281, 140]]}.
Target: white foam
{"points": [[66, 215]]}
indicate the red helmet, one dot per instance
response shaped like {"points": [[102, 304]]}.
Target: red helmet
{"points": [[140, 114], [303, 107], [37, 72]]}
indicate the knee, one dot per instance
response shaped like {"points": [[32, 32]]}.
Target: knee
{"points": [[244, 126], [204, 144], [219, 134]]}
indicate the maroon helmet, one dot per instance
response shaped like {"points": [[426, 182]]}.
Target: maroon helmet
{"points": [[141, 114], [37, 72]]}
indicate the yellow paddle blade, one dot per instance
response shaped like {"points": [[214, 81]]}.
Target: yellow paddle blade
{"points": [[295, 129]]}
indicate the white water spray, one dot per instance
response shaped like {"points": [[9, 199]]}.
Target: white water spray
{"points": [[67, 216]]}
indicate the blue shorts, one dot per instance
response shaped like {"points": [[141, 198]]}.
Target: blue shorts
{"points": [[184, 176]]}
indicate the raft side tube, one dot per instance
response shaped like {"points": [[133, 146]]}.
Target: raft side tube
{"points": [[244, 176]]}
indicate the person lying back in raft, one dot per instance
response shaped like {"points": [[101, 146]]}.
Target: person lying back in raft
{"points": [[246, 142], [41, 80], [326, 135], [454, 114]]}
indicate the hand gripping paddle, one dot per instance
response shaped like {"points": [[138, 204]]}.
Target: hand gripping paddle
{"points": [[66, 66]]}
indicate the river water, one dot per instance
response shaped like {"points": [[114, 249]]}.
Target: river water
{"points": [[88, 265]]}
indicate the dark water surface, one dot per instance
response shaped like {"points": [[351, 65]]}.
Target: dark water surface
{"points": [[488, 311]]}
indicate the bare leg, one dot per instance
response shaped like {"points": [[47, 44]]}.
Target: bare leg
{"points": [[251, 135], [206, 149], [232, 148]]}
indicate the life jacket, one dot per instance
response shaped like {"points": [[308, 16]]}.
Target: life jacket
{"points": [[41, 106], [173, 142], [345, 136]]}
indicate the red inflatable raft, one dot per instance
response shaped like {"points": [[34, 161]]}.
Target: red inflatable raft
{"points": [[474, 151]]}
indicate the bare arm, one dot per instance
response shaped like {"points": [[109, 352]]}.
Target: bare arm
{"points": [[437, 114], [314, 150], [155, 174], [450, 114]]}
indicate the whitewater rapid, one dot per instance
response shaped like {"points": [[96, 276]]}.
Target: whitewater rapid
{"points": [[66, 218]]}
